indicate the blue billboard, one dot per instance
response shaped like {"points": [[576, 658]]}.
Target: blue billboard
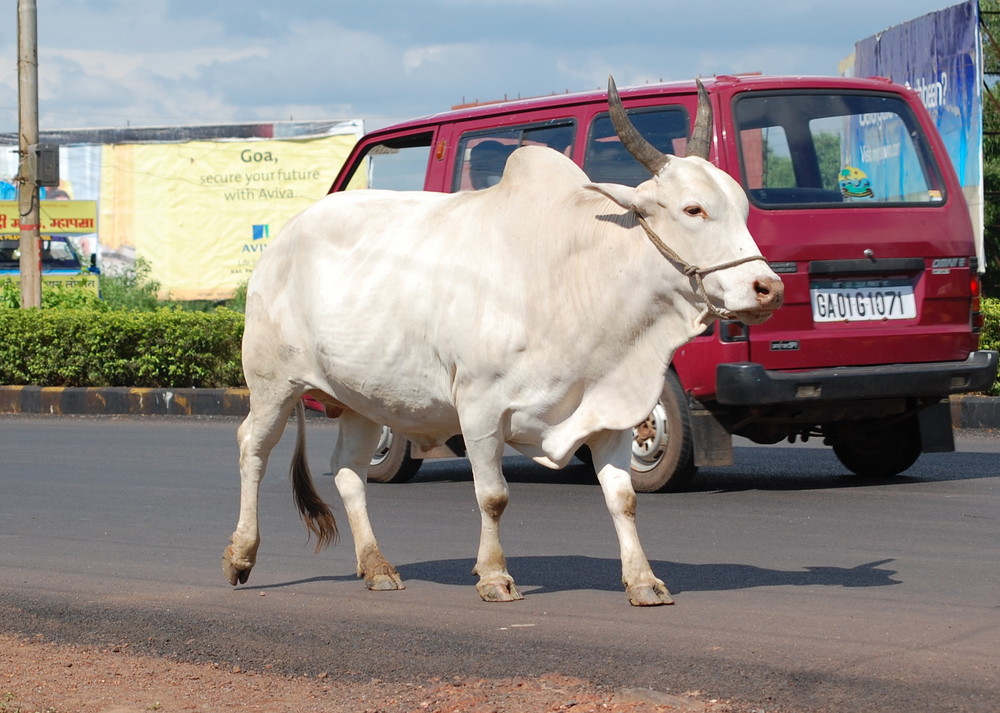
{"points": [[939, 57]]}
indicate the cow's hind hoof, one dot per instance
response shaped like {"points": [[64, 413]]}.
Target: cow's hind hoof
{"points": [[648, 595], [499, 592], [379, 575], [384, 582]]}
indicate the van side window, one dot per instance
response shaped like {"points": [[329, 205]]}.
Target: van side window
{"points": [[397, 164], [837, 149], [607, 161], [482, 155]]}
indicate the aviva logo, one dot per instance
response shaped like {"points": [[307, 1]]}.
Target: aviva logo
{"points": [[259, 233]]}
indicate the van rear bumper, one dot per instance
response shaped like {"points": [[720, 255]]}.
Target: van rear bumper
{"points": [[750, 384]]}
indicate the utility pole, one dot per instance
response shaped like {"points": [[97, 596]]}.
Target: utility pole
{"points": [[28, 206]]}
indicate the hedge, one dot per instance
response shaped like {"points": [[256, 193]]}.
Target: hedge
{"points": [[166, 348], [990, 336]]}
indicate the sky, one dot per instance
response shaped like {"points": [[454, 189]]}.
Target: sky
{"points": [[116, 63]]}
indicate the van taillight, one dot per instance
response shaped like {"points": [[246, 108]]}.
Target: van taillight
{"points": [[976, 315]]}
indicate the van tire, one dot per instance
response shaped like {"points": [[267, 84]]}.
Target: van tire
{"points": [[392, 462], [662, 447], [873, 449]]}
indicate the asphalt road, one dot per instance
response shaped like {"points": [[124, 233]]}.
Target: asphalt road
{"points": [[798, 588]]}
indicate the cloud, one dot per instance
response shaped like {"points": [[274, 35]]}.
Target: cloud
{"points": [[414, 58]]}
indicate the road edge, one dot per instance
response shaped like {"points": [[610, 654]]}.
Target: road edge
{"points": [[967, 411]]}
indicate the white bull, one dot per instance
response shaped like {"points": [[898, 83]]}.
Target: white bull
{"points": [[541, 313]]}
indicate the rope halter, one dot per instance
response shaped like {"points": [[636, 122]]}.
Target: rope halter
{"points": [[694, 271]]}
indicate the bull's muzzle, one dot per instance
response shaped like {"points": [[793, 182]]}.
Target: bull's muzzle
{"points": [[770, 293]]}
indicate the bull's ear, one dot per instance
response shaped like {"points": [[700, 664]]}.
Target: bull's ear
{"points": [[641, 199], [625, 196]]}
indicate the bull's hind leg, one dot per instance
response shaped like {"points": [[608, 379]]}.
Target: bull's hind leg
{"points": [[356, 441], [257, 435], [495, 583], [611, 452]]}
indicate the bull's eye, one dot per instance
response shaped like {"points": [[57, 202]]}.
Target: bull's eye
{"points": [[696, 211]]}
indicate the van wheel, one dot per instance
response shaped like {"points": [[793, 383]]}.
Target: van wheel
{"points": [[662, 451], [874, 449], [392, 462]]}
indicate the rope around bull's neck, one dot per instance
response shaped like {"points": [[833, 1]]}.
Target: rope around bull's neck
{"points": [[693, 270]]}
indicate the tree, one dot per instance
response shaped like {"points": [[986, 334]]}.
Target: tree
{"points": [[989, 18]]}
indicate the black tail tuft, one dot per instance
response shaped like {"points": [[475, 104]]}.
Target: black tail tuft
{"points": [[315, 513]]}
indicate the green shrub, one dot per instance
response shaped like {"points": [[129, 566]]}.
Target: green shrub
{"points": [[131, 288], [164, 348], [56, 295], [990, 336], [239, 300], [60, 296], [78, 347], [10, 295]]}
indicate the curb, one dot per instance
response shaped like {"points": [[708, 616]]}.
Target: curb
{"points": [[967, 411], [74, 401], [975, 411]]}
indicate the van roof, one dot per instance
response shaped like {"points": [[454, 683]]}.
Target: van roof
{"points": [[740, 83]]}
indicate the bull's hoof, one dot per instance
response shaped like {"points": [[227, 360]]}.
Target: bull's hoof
{"points": [[648, 595], [384, 582], [378, 573], [236, 572], [499, 591]]}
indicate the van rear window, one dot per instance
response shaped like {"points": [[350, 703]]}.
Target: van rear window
{"points": [[482, 155], [859, 149], [607, 161]]}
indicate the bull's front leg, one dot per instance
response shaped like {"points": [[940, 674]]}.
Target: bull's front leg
{"points": [[612, 453], [495, 583]]}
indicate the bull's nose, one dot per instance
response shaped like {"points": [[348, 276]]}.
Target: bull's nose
{"points": [[770, 293]]}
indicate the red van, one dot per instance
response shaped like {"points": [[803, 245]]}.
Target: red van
{"points": [[853, 202]]}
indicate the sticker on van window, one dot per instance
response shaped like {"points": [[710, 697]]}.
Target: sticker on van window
{"points": [[854, 183]]}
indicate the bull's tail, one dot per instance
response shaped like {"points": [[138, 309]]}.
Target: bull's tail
{"points": [[315, 513]]}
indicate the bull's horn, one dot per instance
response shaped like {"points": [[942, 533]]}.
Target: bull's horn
{"points": [[642, 151], [701, 135]]}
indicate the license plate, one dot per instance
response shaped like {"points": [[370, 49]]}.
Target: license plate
{"points": [[862, 301]]}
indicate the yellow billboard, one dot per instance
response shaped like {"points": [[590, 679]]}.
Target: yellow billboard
{"points": [[55, 217], [202, 212]]}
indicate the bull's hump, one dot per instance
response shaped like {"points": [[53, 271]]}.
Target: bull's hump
{"points": [[531, 165]]}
